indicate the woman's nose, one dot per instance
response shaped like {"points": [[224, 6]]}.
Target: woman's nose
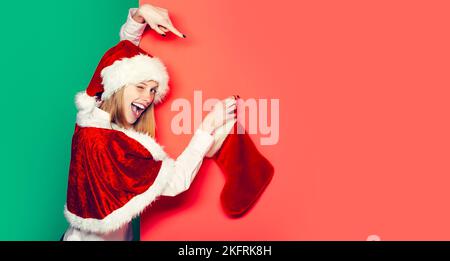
{"points": [[148, 98]]}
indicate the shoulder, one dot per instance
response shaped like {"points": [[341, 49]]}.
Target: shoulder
{"points": [[100, 139], [92, 135]]}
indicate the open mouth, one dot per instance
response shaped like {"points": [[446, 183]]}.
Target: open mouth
{"points": [[137, 109]]}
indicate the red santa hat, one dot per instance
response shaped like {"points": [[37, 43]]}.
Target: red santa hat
{"points": [[124, 64]]}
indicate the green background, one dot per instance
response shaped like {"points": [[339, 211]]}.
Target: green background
{"points": [[49, 51]]}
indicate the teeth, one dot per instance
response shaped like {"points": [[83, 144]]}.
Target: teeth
{"points": [[140, 106]]}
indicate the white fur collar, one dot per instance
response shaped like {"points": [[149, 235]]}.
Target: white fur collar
{"points": [[89, 115]]}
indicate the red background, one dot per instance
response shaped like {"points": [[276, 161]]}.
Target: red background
{"points": [[363, 89]]}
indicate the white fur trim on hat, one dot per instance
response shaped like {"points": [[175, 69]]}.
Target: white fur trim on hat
{"points": [[133, 70]]}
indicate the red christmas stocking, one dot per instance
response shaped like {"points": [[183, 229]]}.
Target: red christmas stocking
{"points": [[247, 172]]}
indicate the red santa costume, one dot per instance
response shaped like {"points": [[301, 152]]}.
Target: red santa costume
{"points": [[115, 173]]}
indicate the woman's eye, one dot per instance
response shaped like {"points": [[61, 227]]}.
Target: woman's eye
{"points": [[140, 87], [153, 90]]}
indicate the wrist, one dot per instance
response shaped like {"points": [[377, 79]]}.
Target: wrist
{"points": [[138, 17]]}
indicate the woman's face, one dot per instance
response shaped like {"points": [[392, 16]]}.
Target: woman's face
{"points": [[137, 98]]}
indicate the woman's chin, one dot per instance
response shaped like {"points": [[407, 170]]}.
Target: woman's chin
{"points": [[131, 120]]}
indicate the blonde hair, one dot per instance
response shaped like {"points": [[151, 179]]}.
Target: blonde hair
{"points": [[146, 122]]}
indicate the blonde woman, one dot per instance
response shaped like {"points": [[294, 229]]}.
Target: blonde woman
{"points": [[117, 168]]}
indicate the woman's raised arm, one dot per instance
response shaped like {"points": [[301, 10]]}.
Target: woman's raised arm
{"points": [[138, 18]]}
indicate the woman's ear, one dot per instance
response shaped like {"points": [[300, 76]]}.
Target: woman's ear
{"points": [[98, 101]]}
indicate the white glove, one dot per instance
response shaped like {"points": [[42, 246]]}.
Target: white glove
{"points": [[223, 112]]}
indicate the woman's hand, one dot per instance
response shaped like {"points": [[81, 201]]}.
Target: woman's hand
{"points": [[222, 112], [157, 18]]}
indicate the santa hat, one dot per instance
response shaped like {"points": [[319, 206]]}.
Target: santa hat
{"points": [[124, 64]]}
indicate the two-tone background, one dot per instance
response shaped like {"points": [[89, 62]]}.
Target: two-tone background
{"points": [[363, 86]]}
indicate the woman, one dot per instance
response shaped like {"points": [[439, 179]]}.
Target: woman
{"points": [[117, 168]]}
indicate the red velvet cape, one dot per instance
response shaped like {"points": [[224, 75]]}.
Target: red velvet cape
{"points": [[112, 178]]}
